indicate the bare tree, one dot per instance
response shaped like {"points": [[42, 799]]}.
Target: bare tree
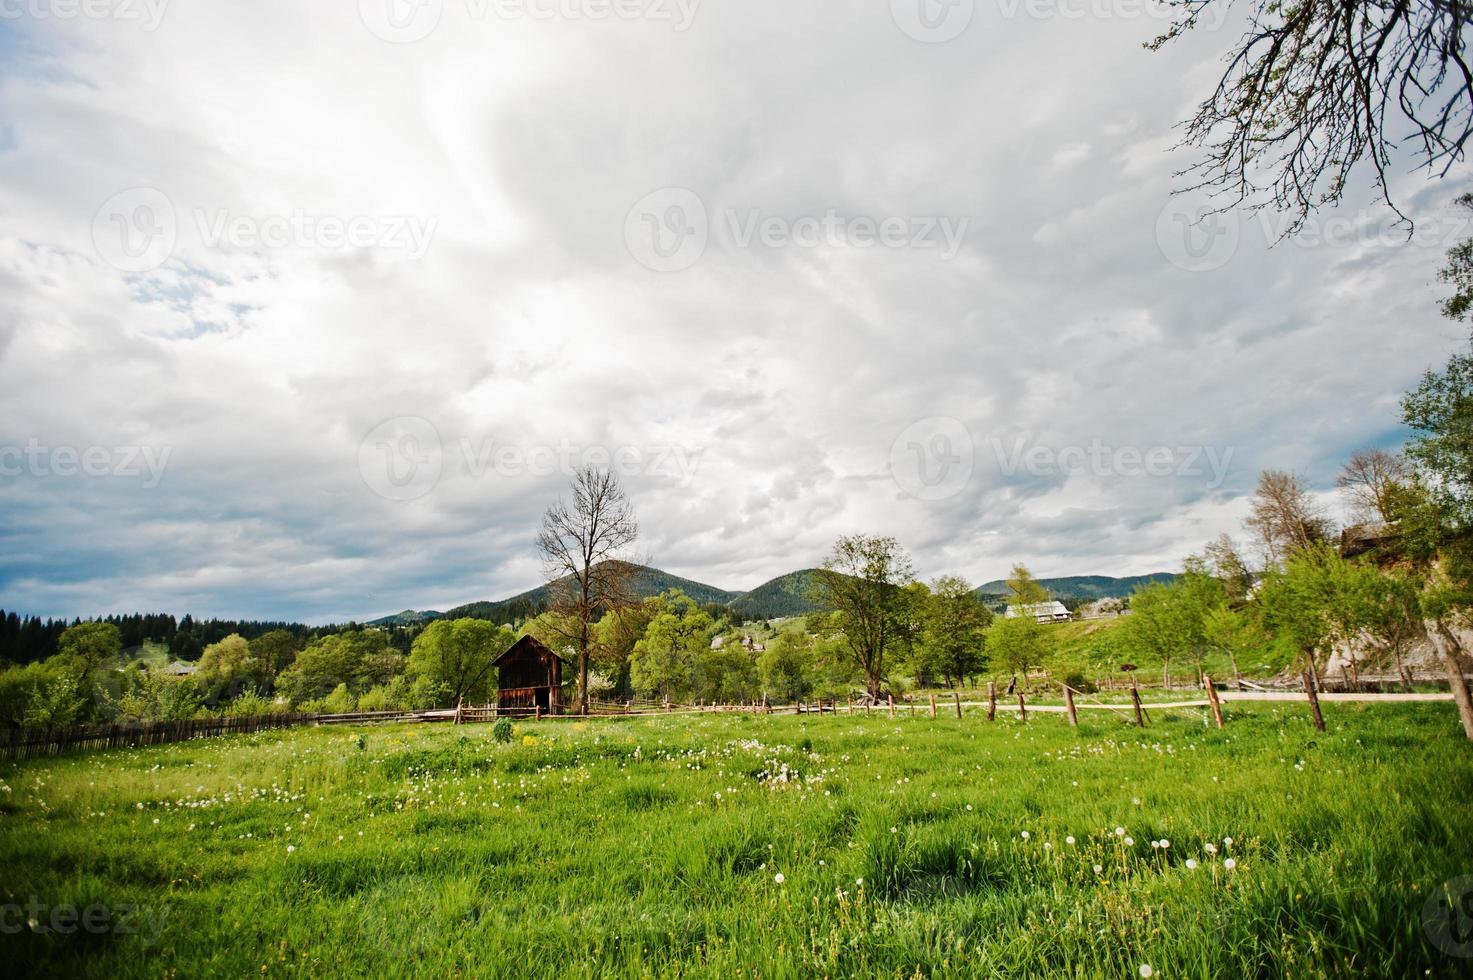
{"points": [[581, 544], [1226, 563], [1370, 480], [1314, 87], [1284, 516], [862, 581]]}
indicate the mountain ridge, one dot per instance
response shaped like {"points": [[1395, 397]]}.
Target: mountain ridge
{"points": [[780, 596]]}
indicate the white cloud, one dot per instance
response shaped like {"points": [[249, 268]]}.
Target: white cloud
{"points": [[786, 372]]}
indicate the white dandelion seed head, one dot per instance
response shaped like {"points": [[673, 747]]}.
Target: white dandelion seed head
{"points": [[1229, 864], [779, 878]]}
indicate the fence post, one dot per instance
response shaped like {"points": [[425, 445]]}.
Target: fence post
{"points": [[1022, 708], [1213, 700], [1069, 704], [991, 700], [891, 697], [958, 696], [1135, 702], [933, 705], [1314, 699]]}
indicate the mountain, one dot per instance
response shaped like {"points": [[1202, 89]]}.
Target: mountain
{"points": [[406, 618], [646, 582], [1085, 586], [786, 595]]}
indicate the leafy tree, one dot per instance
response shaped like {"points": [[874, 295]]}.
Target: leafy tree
{"points": [[1167, 619], [862, 582], [665, 658], [91, 645], [1025, 590], [954, 629], [786, 667], [458, 654], [1235, 633], [274, 651], [1018, 643], [229, 665], [727, 674], [358, 658]]}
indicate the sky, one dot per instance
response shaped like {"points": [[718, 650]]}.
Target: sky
{"points": [[308, 311]]}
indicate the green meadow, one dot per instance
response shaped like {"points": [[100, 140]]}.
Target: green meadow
{"points": [[740, 845]]}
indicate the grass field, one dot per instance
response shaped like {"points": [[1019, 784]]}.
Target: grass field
{"points": [[754, 846]]}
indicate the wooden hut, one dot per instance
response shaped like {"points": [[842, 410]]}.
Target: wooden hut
{"points": [[530, 676]]}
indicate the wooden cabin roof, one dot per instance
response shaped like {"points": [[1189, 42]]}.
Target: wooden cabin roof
{"points": [[528, 646]]}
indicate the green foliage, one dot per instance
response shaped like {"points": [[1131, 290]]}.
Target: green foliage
{"points": [[953, 631], [786, 667], [91, 644], [1018, 643], [678, 640], [357, 659], [153, 696], [501, 730], [458, 655]]}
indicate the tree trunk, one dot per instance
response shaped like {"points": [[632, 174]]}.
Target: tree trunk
{"points": [[1446, 646]]}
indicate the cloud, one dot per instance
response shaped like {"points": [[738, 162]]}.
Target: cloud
{"points": [[758, 391]]}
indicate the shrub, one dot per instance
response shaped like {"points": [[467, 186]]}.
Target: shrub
{"points": [[502, 730]]}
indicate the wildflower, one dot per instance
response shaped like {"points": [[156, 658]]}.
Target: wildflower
{"points": [[859, 882], [1191, 864], [1229, 864], [1165, 843], [1136, 800], [1146, 971], [290, 848], [1099, 869], [893, 830], [969, 808], [1119, 831], [779, 878], [1026, 835], [1130, 842], [1210, 848], [1227, 842], [1069, 839]]}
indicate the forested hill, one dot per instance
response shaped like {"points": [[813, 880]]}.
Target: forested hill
{"points": [[647, 582], [1085, 586]]}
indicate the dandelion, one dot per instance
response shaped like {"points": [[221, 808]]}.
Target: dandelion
{"points": [[1210, 848], [1227, 842], [1130, 842], [1119, 831], [1165, 843], [779, 878], [290, 848], [1099, 869], [1146, 971], [1229, 864], [969, 808], [893, 830], [1136, 801], [1069, 839], [1191, 864], [859, 882], [1026, 835]]}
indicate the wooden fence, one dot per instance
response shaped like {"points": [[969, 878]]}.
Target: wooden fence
{"points": [[29, 743]]}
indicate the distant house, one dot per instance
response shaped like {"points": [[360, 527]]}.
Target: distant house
{"points": [[529, 676], [1043, 612], [178, 668]]}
